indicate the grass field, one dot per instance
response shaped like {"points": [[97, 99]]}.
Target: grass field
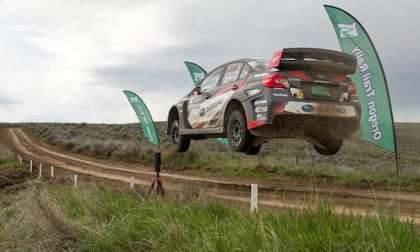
{"points": [[94, 218], [52, 216], [358, 163]]}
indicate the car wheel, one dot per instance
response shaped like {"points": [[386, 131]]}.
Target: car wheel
{"points": [[182, 143], [253, 150], [330, 146], [239, 138]]}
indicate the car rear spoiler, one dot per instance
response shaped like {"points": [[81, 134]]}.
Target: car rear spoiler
{"points": [[314, 59]]}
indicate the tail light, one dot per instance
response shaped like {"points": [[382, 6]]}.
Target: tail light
{"points": [[276, 80], [352, 89], [275, 61]]}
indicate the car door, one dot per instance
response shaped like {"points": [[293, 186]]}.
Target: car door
{"points": [[229, 83], [200, 106]]}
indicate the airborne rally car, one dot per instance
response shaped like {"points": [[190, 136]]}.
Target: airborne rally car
{"points": [[301, 93]]}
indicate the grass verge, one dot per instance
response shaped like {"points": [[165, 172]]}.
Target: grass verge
{"points": [[96, 218], [106, 220]]}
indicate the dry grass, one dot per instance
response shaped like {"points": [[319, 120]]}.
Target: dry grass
{"points": [[94, 218], [358, 161], [99, 219]]}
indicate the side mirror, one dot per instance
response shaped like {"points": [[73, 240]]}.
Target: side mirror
{"points": [[197, 90]]}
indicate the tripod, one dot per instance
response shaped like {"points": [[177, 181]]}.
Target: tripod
{"points": [[157, 181]]}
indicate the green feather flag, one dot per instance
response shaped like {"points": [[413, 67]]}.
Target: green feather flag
{"points": [[197, 72], [144, 116], [376, 122]]}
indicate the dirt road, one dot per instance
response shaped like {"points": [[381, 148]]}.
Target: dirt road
{"points": [[272, 194]]}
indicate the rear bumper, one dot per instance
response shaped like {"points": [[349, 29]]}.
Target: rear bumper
{"points": [[302, 118], [319, 109], [297, 126]]}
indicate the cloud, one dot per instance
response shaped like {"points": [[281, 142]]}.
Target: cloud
{"points": [[69, 60], [7, 101]]}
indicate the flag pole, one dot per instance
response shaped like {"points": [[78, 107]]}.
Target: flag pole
{"points": [[150, 133]]}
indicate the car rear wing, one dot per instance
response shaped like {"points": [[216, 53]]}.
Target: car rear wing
{"points": [[314, 59]]}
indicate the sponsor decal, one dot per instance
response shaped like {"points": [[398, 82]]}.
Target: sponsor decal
{"points": [[333, 109], [261, 103], [307, 108], [348, 30], [260, 109], [205, 113], [281, 94], [260, 106], [261, 116], [213, 105], [202, 112], [252, 92], [321, 109]]}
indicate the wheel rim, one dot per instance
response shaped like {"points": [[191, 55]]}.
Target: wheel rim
{"points": [[175, 135], [236, 132]]}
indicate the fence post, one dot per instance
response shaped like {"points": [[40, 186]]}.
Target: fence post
{"points": [[30, 166], [75, 180], [52, 171], [132, 182], [40, 171], [254, 198]]}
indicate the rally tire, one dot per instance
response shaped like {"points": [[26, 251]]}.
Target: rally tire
{"points": [[181, 143], [239, 137], [330, 146]]}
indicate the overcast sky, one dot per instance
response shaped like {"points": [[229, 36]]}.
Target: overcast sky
{"points": [[68, 61]]}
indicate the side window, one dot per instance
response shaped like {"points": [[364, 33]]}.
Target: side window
{"points": [[232, 72], [245, 71], [212, 79]]}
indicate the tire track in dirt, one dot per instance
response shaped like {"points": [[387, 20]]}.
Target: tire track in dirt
{"points": [[345, 193], [344, 201]]}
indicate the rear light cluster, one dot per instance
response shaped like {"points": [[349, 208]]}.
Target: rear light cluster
{"points": [[276, 80]]}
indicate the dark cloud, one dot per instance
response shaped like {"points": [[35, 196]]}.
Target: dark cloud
{"points": [[160, 69], [5, 101], [212, 32]]}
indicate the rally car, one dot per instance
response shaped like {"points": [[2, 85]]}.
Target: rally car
{"points": [[301, 93]]}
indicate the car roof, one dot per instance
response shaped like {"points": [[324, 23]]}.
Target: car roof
{"points": [[247, 60]]}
